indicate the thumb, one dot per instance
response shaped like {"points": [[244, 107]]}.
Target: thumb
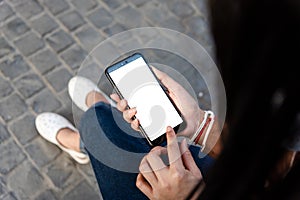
{"points": [[162, 77], [188, 160]]}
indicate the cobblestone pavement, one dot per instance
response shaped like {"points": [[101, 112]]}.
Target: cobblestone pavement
{"points": [[42, 44]]}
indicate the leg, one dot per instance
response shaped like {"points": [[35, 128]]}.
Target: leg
{"points": [[113, 153], [71, 139]]}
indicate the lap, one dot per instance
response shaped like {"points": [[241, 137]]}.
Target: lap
{"points": [[116, 150]]}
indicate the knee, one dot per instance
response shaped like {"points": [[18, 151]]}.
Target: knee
{"points": [[94, 114], [100, 106]]}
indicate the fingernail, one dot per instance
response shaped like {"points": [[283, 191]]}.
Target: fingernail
{"points": [[169, 129]]}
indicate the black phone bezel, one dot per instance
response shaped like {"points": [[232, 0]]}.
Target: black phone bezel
{"points": [[122, 63]]}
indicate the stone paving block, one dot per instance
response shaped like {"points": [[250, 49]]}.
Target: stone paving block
{"points": [[74, 56], [181, 9], [100, 18], [173, 24], [5, 88], [72, 20], [5, 11], [29, 8], [114, 29], [3, 189], [129, 44], [15, 28], [155, 11], [45, 61], [65, 98], [59, 79], [42, 151], [12, 107], [9, 196], [113, 4], [29, 84], [88, 170], [4, 134], [199, 26], [44, 24], [130, 17], [162, 42], [202, 6], [82, 191], [26, 181], [16, 2], [103, 54], [10, 156], [200, 30], [84, 6], [47, 195], [24, 129], [91, 71], [63, 173], [29, 44], [60, 40], [44, 101], [89, 38], [67, 109], [56, 6], [138, 3], [5, 48], [146, 37], [15, 67]]}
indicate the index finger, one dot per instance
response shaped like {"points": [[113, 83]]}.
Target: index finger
{"points": [[160, 75], [174, 152]]}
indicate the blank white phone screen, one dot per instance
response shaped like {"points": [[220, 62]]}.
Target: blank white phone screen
{"points": [[140, 88]]}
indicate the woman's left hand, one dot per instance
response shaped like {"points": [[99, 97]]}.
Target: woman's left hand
{"points": [[176, 181]]}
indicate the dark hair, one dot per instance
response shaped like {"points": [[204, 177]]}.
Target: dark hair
{"points": [[258, 51]]}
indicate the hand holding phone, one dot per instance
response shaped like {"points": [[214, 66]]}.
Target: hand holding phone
{"points": [[181, 98], [134, 80]]}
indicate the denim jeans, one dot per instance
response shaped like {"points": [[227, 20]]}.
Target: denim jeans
{"points": [[115, 151]]}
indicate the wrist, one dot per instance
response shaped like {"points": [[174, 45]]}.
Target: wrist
{"points": [[207, 134], [196, 123], [213, 144]]}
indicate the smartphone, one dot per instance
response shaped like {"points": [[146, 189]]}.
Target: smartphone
{"points": [[134, 80]]}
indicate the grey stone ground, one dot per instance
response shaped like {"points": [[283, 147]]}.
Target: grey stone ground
{"points": [[42, 44]]}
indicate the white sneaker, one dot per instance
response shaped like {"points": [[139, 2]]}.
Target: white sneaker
{"points": [[48, 125], [79, 87]]}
